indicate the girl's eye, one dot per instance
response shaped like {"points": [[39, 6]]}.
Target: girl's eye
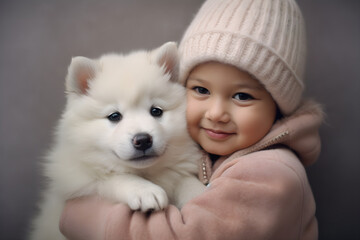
{"points": [[201, 90], [156, 111], [243, 96], [115, 117]]}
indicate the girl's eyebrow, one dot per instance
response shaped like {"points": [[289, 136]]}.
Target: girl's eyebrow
{"points": [[249, 86], [199, 80], [196, 79], [236, 85]]}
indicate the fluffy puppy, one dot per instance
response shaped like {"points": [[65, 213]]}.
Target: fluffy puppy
{"points": [[122, 136]]}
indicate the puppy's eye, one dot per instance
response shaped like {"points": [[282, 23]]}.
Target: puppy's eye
{"points": [[115, 117], [156, 111]]}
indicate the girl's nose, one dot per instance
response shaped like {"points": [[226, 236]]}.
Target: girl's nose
{"points": [[217, 111]]}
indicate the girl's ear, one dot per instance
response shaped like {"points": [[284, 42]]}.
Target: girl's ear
{"points": [[80, 72], [167, 57]]}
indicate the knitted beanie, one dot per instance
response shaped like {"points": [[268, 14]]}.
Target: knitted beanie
{"points": [[265, 38]]}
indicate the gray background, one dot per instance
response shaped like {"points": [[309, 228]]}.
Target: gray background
{"points": [[38, 38]]}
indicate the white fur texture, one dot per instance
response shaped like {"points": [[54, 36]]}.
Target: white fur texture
{"points": [[93, 155]]}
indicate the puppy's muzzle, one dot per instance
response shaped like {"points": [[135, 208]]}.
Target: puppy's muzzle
{"points": [[142, 141]]}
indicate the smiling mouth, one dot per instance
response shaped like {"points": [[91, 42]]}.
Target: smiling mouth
{"points": [[144, 157], [141, 161], [216, 134]]}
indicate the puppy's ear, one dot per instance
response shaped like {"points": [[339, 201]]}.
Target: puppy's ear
{"points": [[80, 73], [167, 57]]}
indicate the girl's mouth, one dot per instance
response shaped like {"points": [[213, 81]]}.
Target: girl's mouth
{"points": [[217, 134]]}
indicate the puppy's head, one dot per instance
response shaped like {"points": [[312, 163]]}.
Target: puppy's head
{"points": [[123, 111]]}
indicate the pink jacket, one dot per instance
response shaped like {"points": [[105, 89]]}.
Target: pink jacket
{"points": [[261, 192]]}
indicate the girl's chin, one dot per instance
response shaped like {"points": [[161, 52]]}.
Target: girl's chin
{"points": [[217, 150]]}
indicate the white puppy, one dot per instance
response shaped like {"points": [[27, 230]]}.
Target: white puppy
{"points": [[122, 136]]}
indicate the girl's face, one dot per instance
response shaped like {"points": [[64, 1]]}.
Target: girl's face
{"points": [[227, 109]]}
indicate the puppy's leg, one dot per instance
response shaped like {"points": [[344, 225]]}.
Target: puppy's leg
{"points": [[188, 188], [137, 192]]}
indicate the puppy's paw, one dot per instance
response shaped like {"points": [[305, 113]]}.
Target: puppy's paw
{"points": [[148, 198]]}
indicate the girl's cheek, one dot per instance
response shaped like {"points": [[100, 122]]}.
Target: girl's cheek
{"points": [[190, 115], [191, 106]]}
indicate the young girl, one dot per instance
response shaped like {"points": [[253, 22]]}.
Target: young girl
{"points": [[242, 62]]}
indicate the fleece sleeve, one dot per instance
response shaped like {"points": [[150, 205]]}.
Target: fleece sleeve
{"points": [[249, 199]]}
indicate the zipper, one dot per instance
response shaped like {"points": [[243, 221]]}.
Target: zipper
{"points": [[268, 143], [205, 171]]}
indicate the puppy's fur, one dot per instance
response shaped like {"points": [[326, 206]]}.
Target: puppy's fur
{"points": [[122, 136]]}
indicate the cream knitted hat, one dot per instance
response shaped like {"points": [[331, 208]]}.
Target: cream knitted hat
{"points": [[266, 38]]}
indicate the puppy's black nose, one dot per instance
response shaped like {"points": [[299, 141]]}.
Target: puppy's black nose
{"points": [[142, 141]]}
